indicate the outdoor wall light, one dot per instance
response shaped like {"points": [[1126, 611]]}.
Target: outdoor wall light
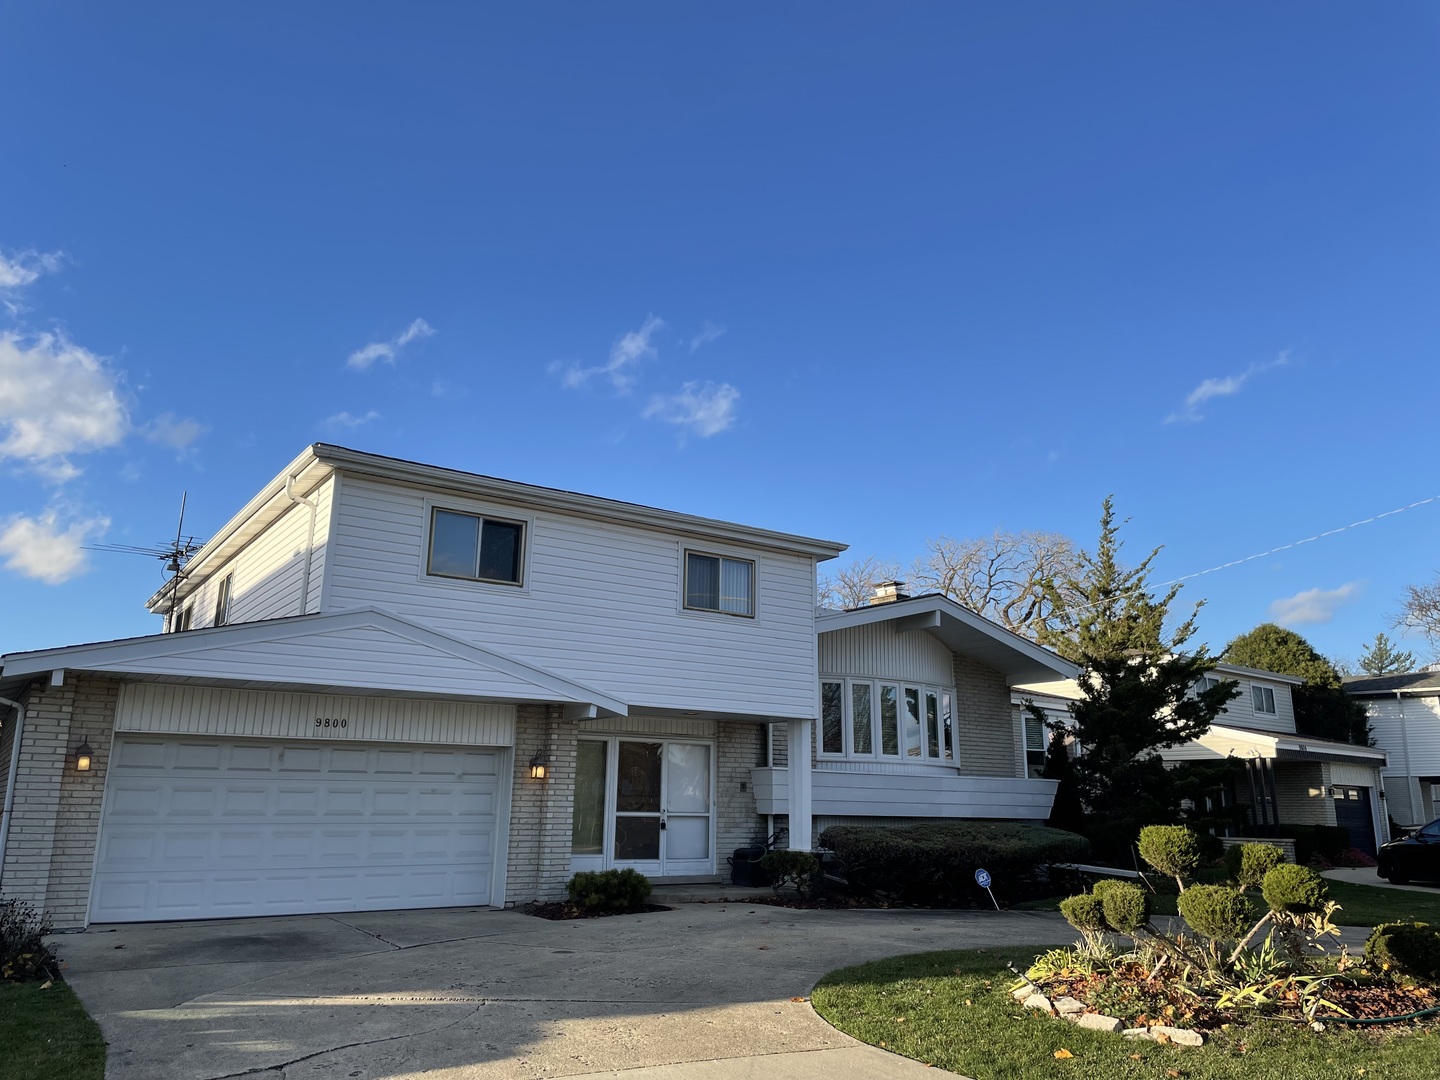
{"points": [[539, 765], [82, 757]]}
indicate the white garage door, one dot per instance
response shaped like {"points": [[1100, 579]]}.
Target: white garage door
{"points": [[200, 828]]}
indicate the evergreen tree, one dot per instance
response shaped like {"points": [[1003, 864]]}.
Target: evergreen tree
{"points": [[1137, 683], [1322, 708], [1382, 658], [1067, 811]]}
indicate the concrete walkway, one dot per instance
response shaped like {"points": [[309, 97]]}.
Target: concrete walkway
{"points": [[1365, 875], [703, 992]]}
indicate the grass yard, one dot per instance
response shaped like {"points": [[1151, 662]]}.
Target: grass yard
{"points": [[47, 1035], [954, 1010], [1361, 905]]}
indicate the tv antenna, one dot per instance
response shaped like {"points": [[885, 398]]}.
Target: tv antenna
{"points": [[174, 557]]}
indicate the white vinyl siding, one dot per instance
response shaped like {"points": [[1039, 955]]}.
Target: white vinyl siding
{"points": [[1418, 740], [266, 574], [905, 656], [1241, 711], [601, 605]]}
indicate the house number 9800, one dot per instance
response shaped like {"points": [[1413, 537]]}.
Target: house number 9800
{"points": [[327, 722]]}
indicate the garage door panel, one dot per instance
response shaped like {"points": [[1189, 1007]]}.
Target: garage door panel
{"points": [[369, 827]]}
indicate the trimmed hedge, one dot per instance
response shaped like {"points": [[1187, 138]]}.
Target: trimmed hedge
{"points": [[1411, 948], [613, 891], [1217, 911], [1248, 864], [1294, 889], [935, 862]]}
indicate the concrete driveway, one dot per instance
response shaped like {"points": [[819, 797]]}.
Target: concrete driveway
{"points": [[702, 992]]}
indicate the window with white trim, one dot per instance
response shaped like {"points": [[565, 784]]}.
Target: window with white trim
{"points": [[1264, 699], [873, 719], [1037, 745], [475, 548], [1206, 682], [222, 601], [718, 583]]}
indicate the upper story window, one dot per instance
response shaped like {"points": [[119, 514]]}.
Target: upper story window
{"points": [[184, 618], [1206, 682], [1264, 699], [869, 718], [716, 583], [475, 548], [222, 601]]}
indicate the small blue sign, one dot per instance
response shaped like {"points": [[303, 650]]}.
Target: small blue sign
{"points": [[982, 878]]}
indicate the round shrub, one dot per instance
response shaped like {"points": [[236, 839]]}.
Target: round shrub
{"points": [[1126, 906], [1217, 911], [1085, 913], [1249, 863], [612, 891], [1294, 889], [1409, 948], [1170, 849]]}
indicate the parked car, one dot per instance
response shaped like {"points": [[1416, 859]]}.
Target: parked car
{"points": [[1414, 856]]}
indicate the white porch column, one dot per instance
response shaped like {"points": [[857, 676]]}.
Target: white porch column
{"points": [[798, 733]]}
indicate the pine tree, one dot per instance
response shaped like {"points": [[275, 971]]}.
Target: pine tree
{"points": [[1137, 683], [1382, 658]]}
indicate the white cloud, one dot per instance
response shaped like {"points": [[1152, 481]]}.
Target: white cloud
{"points": [[704, 409], [1314, 605], [347, 420], [1222, 387], [43, 549], [56, 399], [708, 333], [362, 359], [167, 429], [625, 355]]}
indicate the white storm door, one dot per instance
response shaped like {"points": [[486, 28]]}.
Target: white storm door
{"points": [[663, 820]]}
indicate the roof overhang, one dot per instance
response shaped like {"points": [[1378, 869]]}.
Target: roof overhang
{"points": [[1237, 742], [212, 656], [962, 631]]}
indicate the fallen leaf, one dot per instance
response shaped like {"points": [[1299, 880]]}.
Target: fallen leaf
{"points": [[47, 984], [882, 1044], [1062, 1054], [1134, 1057], [899, 1019], [797, 999], [762, 946], [1172, 1072], [1163, 1039]]}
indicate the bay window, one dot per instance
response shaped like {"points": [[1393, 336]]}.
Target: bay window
{"points": [[871, 719]]}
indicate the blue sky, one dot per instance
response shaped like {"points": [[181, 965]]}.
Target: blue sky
{"points": [[875, 273]]}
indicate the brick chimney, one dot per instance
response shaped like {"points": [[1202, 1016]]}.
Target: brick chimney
{"points": [[887, 592]]}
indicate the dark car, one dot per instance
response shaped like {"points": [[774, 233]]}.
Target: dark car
{"points": [[1416, 856]]}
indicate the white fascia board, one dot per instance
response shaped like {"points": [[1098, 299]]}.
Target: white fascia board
{"points": [[220, 545], [906, 611], [116, 655], [570, 502], [1256, 673]]}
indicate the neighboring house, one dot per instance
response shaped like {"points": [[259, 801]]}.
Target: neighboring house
{"points": [[1289, 779], [915, 720], [365, 675], [1404, 713]]}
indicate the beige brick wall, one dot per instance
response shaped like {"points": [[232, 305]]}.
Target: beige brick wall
{"points": [[51, 848], [987, 734], [739, 747], [541, 810]]}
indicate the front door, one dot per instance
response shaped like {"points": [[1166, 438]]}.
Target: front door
{"points": [[645, 804]]}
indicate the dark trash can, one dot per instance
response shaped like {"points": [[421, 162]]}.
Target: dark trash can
{"points": [[745, 869]]}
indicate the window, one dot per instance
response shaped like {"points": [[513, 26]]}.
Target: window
{"points": [[1206, 682], [1037, 742], [861, 718], [185, 618], [715, 583], [1264, 699], [475, 548], [222, 601]]}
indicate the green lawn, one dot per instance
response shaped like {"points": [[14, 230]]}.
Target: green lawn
{"points": [[953, 1010], [47, 1035], [1361, 905]]}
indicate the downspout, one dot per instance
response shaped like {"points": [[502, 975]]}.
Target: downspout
{"points": [[309, 541], [14, 771], [1405, 749]]}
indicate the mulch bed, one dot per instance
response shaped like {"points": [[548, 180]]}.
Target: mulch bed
{"points": [[559, 910]]}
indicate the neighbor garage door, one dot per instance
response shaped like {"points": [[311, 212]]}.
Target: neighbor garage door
{"points": [[209, 828]]}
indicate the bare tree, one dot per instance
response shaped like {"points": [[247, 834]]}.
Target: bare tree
{"points": [[1002, 576], [1420, 610], [853, 585]]}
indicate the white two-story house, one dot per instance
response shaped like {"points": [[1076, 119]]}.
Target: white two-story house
{"points": [[388, 685], [1288, 779], [1404, 713]]}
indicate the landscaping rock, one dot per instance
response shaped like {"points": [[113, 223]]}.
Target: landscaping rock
{"points": [[1023, 992], [1098, 1022], [1179, 1036], [1136, 1033], [1037, 1001], [1069, 1006]]}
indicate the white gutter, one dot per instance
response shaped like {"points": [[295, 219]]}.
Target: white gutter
{"points": [[10, 785], [309, 541], [1410, 791]]}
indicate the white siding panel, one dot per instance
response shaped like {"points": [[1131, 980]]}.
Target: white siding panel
{"points": [[1353, 775], [880, 651], [837, 794], [195, 710], [1420, 731], [1241, 711], [684, 729], [600, 605]]}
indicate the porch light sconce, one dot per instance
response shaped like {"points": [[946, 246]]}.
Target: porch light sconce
{"points": [[82, 757], [539, 765]]}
